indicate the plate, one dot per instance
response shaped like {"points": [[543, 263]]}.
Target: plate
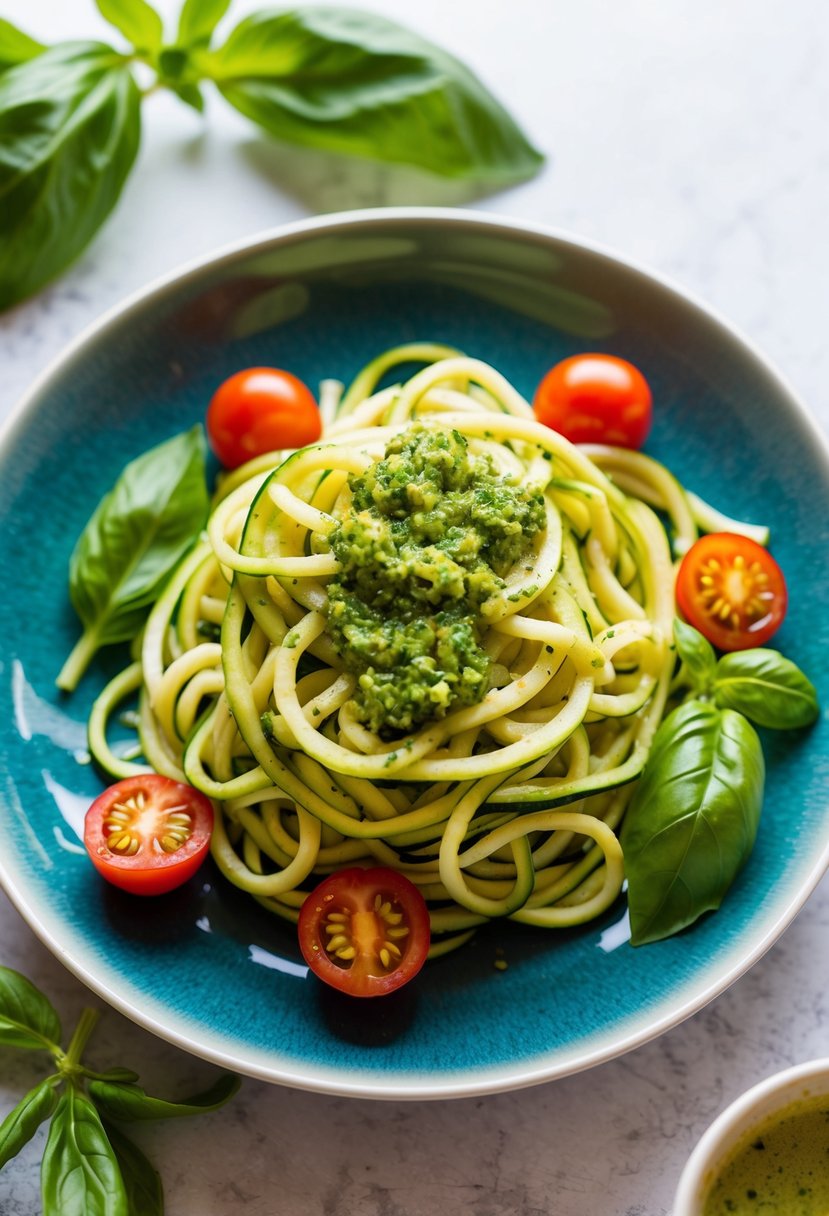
{"points": [[206, 967]]}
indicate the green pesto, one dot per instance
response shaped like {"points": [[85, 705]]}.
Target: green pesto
{"points": [[430, 534], [781, 1168]]}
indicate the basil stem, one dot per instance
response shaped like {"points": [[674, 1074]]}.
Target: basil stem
{"points": [[693, 818]]}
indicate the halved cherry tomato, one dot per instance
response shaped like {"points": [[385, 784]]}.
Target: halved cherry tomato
{"points": [[259, 410], [148, 834], [365, 932], [732, 590], [596, 399]]}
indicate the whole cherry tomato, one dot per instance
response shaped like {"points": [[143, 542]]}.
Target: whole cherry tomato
{"points": [[596, 399], [259, 410]]}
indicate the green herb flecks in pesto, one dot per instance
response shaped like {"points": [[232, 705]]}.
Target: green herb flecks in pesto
{"points": [[431, 533]]}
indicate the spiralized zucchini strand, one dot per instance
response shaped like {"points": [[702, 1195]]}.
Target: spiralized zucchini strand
{"points": [[506, 807]]}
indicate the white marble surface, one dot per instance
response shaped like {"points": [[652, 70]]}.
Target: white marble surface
{"points": [[692, 136]]}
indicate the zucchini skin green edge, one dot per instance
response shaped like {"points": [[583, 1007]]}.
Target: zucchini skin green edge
{"points": [[542, 801]]}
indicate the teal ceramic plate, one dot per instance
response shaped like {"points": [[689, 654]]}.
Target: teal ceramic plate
{"points": [[206, 967]]}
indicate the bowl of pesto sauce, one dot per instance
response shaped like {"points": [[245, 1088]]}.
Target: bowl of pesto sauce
{"points": [[767, 1152]]}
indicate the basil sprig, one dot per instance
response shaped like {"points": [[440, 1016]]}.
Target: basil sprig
{"points": [[137, 535], [692, 821], [337, 80], [89, 1166], [768, 688]]}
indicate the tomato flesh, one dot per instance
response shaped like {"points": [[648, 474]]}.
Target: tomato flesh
{"points": [[259, 410], [148, 834], [596, 398], [732, 590], [365, 932]]}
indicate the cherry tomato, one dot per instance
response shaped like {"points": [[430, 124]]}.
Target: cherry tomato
{"points": [[596, 399], [732, 590], [365, 932], [259, 410], [148, 834]]}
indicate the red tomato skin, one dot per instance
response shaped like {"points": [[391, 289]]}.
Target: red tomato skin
{"points": [[149, 871], [355, 890], [725, 547], [596, 398], [259, 410]]}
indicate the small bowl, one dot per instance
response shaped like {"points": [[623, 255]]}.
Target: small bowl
{"points": [[768, 1098]]}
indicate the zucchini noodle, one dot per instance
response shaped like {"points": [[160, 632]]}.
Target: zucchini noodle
{"points": [[506, 807]]}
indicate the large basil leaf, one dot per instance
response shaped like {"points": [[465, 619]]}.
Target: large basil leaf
{"points": [[15, 46], [142, 1182], [79, 1174], [137, 535], [69, 132], [693, 818], [198, 20], [127, 1103], [27, 1017], [768, 688], [354, 82], [20, 1124], [137, 21]]}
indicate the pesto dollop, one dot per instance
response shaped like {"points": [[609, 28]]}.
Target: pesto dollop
{"points": [[430, 533]]}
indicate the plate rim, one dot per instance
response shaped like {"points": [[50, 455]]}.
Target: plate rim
{"points": [[383, 1085]]}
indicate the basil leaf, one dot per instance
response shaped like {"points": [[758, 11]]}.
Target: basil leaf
{"points": [[15, 46], [142, 1182], [136, 20], [175, 72], [128, 1103], [20, 1124], [69, 132], [354, 82], [198, 20], [692, 821], [768, 688], [699, 661], [139, 532], [79, 1174], [112, 1074], [27, 1018], [190, 94]]}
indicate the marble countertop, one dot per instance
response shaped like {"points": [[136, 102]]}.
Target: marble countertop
{"points": [[691, 137]]}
